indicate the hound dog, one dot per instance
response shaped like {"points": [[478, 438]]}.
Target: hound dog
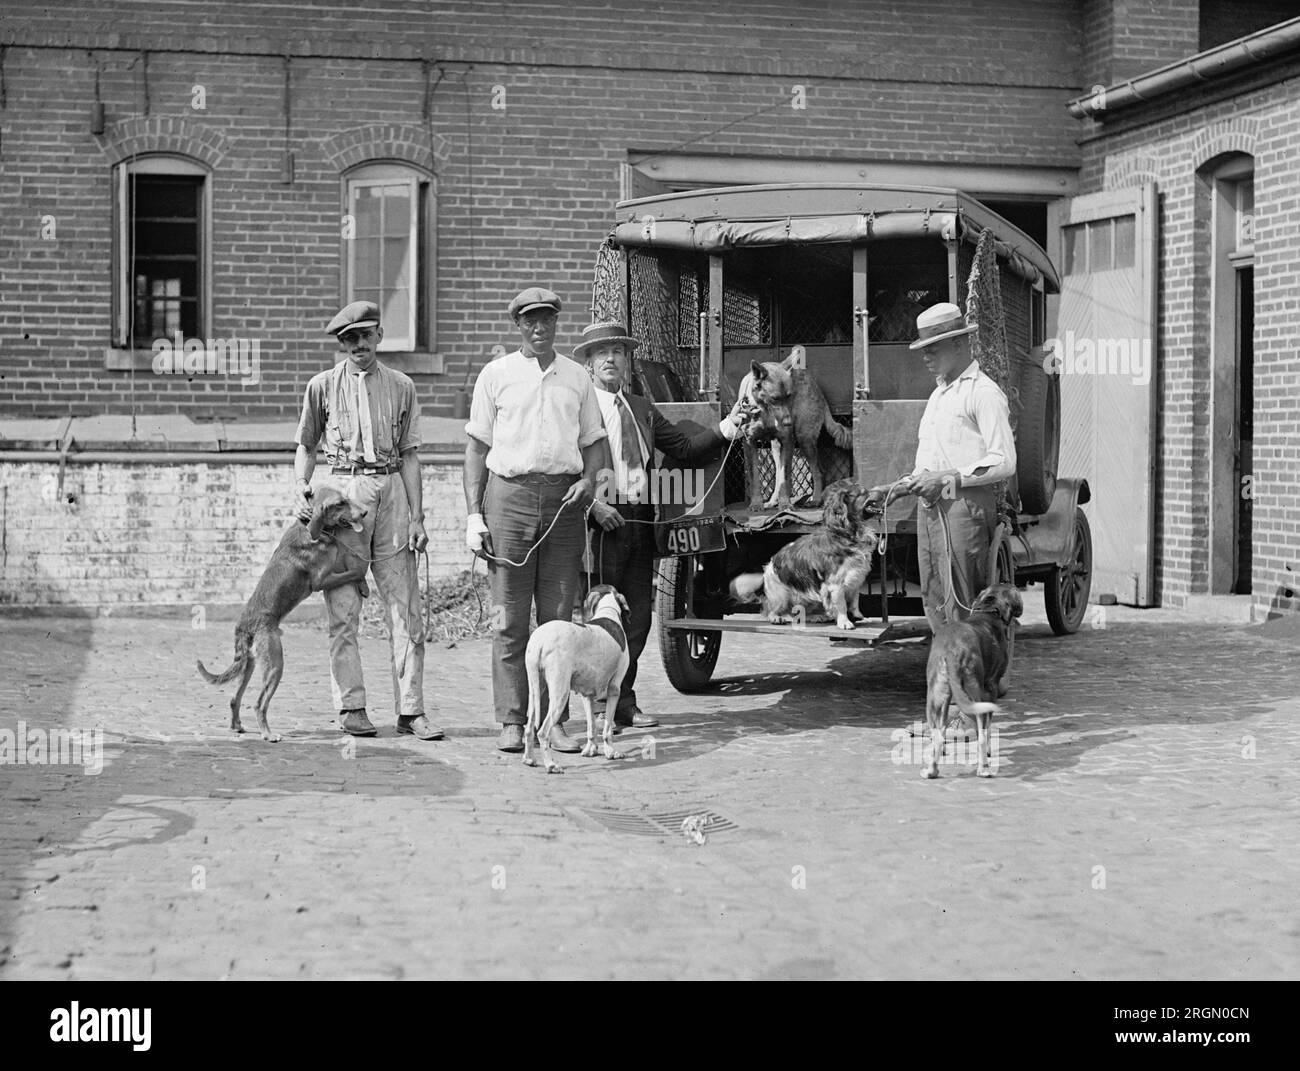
{"points": [[790, 410], [308, 559], [588, 659], [828, 565], [969, 664]]}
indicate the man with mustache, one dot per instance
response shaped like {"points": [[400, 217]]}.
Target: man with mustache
{"points": [[369, 417]]}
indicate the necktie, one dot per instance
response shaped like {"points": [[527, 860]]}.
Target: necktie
{"points": [[365, 430], [631, 443]]}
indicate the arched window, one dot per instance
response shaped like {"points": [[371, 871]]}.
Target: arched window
{"points": [[162, 252], [389, 225]]}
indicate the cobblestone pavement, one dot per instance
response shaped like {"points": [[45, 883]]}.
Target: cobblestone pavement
{"points": [[1143, 822]]}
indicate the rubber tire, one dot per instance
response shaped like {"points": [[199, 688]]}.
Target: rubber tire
{"points": [[1038, 437], [1001, 568], [1063, 585], [686, 671]]}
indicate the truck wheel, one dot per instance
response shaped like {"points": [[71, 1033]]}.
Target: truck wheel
{"points": [[1066, 590], [688, 657], [1002, 566], [1038, 436]]}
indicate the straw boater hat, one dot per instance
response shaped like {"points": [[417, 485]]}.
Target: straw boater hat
{"points": [[595, 334], [944, 320]]}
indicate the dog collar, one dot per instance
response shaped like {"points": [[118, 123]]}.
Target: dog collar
{"points": [[615, 631]]}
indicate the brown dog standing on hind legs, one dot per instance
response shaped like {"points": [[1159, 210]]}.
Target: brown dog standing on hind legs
{"points": [[969, 665], [791, 411], [308, 559], [588, 660]]}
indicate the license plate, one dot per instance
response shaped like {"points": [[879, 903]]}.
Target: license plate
{"points": [[690, 536]]}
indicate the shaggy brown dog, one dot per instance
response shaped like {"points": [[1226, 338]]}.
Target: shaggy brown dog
{"points": [[968, 665], [790, 410], [827, 565], [308, 559]]}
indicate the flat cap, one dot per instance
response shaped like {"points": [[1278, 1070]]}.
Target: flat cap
{"points": [[535, 297], [353, 317]]}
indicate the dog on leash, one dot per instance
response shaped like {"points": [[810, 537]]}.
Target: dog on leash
{"points": [[790, 410], [828, 565], [969, 665], [589, 660], [308, 559]]}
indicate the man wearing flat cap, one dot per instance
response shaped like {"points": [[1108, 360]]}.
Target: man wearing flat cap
{"points": [[965, 449], [369, 418], [536, 448], [623, 546]]}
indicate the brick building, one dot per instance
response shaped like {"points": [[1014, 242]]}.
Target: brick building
{"points": [[235, 171]]}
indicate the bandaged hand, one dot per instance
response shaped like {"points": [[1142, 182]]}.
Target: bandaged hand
{"points": [[475, 531]]}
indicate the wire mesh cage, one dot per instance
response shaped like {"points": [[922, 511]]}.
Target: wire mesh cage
{"points": [[746, 311], [836, 464], [659, 321]]}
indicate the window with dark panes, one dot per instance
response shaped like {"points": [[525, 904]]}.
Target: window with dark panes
{"points": [[164, 250]]}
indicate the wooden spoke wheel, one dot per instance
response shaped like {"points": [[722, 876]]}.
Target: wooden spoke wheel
{"points": [[1067, 588], [688, 657]]}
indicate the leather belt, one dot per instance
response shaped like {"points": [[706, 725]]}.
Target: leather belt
{"points": [[364, 470], [545, 479]]}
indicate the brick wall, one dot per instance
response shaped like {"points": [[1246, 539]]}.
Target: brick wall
{"points": [[1124, 38], [179, 536], [524, 193], [1265, 123]]}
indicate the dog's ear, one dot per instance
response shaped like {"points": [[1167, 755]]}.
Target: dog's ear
{"points": [[324, 501], [835, 513], [590, 603], [622, 604], [1012, 603], [757, 371]]}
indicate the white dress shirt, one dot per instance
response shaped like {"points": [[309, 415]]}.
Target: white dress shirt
{"points": [[534, 421], [630, 485], [967, 426]]}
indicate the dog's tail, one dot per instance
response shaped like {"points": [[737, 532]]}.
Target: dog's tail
{"points": [[242, 643], [842, 436], [968, 706], [746, 587]]}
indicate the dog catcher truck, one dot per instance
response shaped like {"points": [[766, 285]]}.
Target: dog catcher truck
{"points": [[711, 280]]}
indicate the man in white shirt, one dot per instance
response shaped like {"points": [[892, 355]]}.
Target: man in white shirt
{"points": [[965, 450], [535, 451]]}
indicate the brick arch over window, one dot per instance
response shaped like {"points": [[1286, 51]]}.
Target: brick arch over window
{"points": [[163, 134], [1131, 170], [387, 141], [1238, 134]]}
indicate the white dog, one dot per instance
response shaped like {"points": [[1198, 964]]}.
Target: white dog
{"points": [[588, 660]]}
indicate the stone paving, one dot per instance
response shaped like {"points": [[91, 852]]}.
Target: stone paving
{"points": [[1144, 821]]}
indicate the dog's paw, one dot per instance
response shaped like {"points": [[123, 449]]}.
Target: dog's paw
{"points": [[611, 752], [236, 727], [589, 749], [984, 771], [529, 761], [845, 623], [272, 738], [778, 619], [552, 767], [929, 772]]}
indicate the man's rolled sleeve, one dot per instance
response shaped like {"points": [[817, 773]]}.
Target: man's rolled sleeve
{"points": [[993, 420], [408, 437], [591, 427], [309, 424], [482, 410]]}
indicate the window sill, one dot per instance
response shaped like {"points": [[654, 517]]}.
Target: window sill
{"points": [[123, 360]]}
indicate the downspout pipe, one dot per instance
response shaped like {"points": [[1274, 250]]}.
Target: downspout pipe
{"points": [[1206, 66]]}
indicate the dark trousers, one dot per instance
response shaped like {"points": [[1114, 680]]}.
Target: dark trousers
{"points": [[625, 558], [971, 519], [517, 511]]}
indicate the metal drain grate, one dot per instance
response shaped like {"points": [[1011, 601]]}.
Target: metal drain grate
{"points": [[666, 823]]}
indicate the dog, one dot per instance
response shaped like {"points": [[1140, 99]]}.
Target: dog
{"points": [[789, 410], [969, 665], [588, 659], [828, 565], [308, 559]]}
